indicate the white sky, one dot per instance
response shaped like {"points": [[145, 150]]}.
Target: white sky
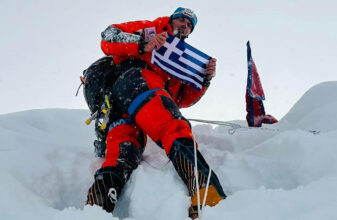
{"points": [[46, 44]]}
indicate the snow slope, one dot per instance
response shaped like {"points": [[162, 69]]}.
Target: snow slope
{"points": [[281, 171]]}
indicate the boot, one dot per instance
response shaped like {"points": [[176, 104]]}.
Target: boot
{"points": [[213, 198], [106, 189], [182, 157]]}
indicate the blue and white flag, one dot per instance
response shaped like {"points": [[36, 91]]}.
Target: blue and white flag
{"points": [[182, 61]]}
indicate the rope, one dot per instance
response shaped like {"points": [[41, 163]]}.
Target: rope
{"points": [[196, 175], [235, 127], [207, 185], [78, 89]]}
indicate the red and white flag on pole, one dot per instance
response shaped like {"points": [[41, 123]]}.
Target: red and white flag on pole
{"points": [[256, 115]]}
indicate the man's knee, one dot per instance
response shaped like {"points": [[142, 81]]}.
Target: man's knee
{"points": [[124, 141], [157, 114]]}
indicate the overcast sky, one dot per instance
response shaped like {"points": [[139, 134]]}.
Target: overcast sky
{"points": [[45, 45]]}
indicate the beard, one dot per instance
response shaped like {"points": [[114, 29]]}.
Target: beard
{"points": [[179, 34]]}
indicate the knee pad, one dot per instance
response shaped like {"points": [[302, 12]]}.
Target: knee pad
{"points": [[123, 136], [129, 158]]}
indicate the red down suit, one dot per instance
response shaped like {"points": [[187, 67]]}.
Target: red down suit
{"points": [[156, 112], [146, 101]]}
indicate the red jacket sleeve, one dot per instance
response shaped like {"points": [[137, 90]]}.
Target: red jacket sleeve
{"points": [[121, 50], [121, 41], [133, 26]]}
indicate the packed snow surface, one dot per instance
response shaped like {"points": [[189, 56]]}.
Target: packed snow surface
{"points": [[282, 171]]}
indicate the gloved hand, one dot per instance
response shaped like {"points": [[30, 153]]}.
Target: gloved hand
{"points": [[157, 42], [210, 72]]}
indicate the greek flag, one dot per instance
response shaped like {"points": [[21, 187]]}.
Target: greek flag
{"points": [[182, 61]]}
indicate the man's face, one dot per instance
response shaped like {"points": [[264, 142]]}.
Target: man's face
{"points": [[182, 24]]}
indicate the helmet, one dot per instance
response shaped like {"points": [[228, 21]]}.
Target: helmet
{"points": [[185, 13]]}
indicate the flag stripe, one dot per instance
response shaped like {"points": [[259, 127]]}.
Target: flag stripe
{"points": [[202, 65], [198, 52], [177, 60], [196, 56], [197, 68]]}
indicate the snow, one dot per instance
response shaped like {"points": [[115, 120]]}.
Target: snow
{"points": [[281, 171]]}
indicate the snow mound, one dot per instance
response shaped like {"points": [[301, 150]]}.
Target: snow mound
{"points": [[280, 171], [315, 109]]}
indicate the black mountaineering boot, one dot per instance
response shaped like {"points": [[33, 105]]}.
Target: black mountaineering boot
{"points": [[106, 188]]}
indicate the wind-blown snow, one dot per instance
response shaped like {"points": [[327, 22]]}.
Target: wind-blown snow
{"points": [[281, 171]]}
